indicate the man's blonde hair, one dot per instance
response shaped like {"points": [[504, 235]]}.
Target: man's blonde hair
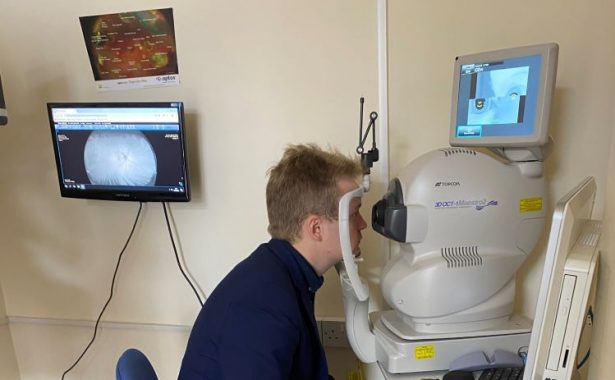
{"points": [[304, 182]]}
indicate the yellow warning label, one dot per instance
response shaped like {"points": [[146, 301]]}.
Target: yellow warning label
{"points": [[424, 352], [530, 204]]}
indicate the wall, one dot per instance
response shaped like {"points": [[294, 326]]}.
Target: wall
{"points": [[602, 351], [8, 361], [255, 76], [424, 38]]}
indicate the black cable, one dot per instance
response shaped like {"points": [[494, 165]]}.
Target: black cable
{"points": [[584, 360], [166, 216], [119, 259], [522, 352]]}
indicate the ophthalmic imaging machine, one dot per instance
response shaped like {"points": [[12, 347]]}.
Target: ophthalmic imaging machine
{"points": [[464, 220]]}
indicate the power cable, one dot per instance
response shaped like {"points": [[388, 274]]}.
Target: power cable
{"points": [[181, 269], [119, 259]]}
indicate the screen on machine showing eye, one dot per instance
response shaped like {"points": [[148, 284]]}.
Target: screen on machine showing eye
{"points": [[498, 98]]}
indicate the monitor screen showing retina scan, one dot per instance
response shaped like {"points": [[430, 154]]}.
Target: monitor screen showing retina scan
{"points": [[120, 151], [503, 98]]}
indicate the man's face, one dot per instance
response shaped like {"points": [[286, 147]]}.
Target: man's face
{"points": [[356, 224]]}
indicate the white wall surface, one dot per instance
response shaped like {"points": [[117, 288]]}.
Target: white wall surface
{"points": [[424, 38], [255, 77], [2, 307], [603, 365], [8, 361], [45, 350]]}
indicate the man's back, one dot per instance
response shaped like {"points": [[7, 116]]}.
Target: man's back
{"points": [[258, 323]]}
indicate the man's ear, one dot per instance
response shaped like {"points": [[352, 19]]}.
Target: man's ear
{"points": [[313, 227]]}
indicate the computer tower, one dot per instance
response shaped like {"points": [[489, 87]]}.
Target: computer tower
{"points": [[569, 350], [561, 334]]}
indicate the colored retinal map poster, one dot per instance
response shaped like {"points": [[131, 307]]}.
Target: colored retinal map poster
{"points": [[132, 49]]}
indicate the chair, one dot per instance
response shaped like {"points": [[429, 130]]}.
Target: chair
{"points": [[134, 365]]}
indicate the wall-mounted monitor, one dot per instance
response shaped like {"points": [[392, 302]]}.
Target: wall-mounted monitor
{"points": [[120, 151], [503, 98]]}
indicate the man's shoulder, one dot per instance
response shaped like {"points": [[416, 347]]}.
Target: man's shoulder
{"points": [[260, 274], [263, 260]]}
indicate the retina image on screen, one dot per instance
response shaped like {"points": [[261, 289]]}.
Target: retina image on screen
{"points": [[119, 159], [498, 98], [138, 149]]}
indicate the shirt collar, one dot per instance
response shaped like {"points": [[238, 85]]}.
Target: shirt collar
{"points": [[314, 281]]}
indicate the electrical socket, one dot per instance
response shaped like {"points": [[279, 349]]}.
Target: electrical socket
{"points": [[333, 333]]}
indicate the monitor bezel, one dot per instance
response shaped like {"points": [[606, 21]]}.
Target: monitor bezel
{"points": [[116, 194], [548, 68], [569, 216]]}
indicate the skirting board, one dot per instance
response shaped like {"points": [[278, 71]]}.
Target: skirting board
{"points": [[14, 320]]}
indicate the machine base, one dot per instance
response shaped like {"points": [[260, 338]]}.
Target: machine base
{"points": [[516, 324], [429, 353]]}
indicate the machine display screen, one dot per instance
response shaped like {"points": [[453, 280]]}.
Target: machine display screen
{"points": [[498, 98]]}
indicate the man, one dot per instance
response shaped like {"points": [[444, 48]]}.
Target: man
{"points": [[258, 324]]}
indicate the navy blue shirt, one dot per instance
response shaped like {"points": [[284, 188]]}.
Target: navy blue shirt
{"points": [[313, 280], [259, 322]]}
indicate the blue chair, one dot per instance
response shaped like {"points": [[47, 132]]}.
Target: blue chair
{"points": [[134, 365]]}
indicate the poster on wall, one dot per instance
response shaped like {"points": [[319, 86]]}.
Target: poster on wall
{"points": [[132, 49]]}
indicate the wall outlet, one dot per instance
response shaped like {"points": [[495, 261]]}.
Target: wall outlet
{"points": [[333, 333]]}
